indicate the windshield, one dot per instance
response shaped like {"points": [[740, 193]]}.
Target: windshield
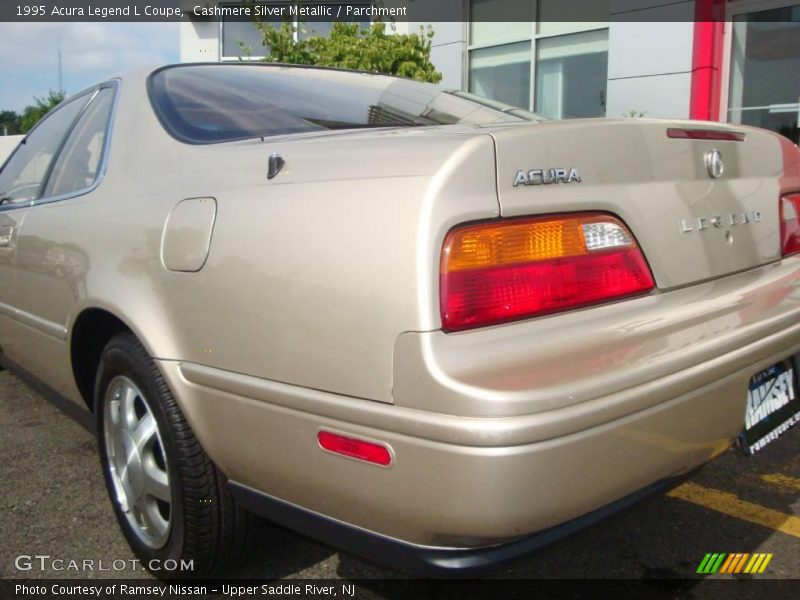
{"points": [[203, 104]]}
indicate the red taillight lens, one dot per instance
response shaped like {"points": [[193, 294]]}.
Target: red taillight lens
{"points": [[355, 448], [790, 224], [508, 270]]}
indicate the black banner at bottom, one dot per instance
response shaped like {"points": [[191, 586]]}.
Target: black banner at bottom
{"points": [[399, 589]]}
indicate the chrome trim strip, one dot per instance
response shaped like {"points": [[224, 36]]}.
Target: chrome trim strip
{"points": [[101, 171], [54, 330]]}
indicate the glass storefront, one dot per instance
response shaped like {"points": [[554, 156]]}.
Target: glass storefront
{"points": [[502, 73], [571, 75], [765, 70], [567, 61]]}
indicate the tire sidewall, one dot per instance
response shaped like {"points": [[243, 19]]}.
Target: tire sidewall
{"points": [[121, 359]]}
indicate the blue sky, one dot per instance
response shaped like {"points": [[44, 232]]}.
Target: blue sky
{"points": [[90, 53]]}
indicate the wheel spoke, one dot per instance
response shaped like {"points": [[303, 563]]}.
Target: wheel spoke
{"points": [[136, 462], [114, 420], [151, 517], [127, 399], [145, 432], [156, 481]]}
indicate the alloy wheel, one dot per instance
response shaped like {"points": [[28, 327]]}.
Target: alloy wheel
{"points": [[137, 462]]}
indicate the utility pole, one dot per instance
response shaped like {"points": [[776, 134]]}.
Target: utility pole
{"points": [[60, 71]]}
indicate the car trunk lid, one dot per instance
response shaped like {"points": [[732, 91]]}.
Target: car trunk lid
{"points": [[693, 223]]}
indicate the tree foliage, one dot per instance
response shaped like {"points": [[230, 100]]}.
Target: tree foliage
{"points": [[350, 46], [9, 122], [33, 113]]}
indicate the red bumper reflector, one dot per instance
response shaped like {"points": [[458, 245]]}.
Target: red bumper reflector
{"points": [[354, 448], [705, 134]]}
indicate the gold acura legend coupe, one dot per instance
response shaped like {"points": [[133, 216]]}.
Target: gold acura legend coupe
{"points": [[419, 325]]}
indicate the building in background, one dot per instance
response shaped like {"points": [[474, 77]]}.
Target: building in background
{"points": [[7, 145], [730, 60]]}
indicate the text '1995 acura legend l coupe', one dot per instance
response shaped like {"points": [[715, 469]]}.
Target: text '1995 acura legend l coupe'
{"points": [[419, 325]]}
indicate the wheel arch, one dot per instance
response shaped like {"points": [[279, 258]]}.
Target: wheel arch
{"points": [[91, 330]]}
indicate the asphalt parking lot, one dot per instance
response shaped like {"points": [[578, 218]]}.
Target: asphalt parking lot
{"points": [[53, 503]]}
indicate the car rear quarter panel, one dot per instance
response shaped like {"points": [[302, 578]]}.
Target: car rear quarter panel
{"points": [[311, 276]]}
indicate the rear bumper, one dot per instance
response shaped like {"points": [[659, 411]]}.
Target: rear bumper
{"points": [[424, 560], [527, 456]]}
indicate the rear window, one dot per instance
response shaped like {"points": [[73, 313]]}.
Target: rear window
{"points": [[203, 104]]}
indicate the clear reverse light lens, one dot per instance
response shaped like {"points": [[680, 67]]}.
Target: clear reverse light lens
{"points": [[600, 236]]}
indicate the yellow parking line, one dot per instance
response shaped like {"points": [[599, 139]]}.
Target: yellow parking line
{"points": [[793, 466], [784, 481], [730, 504]]}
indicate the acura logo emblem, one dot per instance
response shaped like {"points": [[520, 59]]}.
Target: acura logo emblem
{"points": [[714, 164], [546, 176]]}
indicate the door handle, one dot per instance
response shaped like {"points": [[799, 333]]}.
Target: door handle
{"points": [[6, 231]]}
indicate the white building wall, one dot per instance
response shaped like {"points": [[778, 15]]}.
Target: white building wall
{"points": [[7, 145], [200, 41], [650, 59], [448, 51]]}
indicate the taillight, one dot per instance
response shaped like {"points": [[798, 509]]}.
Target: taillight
{"points": [[790, 224], [507, 270]]}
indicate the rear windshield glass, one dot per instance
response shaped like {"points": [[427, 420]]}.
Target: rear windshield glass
{"points": [[203, 104]]}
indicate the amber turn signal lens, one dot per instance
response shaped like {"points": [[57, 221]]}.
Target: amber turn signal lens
{"points": [[513, 269]]}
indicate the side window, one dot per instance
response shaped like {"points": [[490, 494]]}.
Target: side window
{"points": [[23, 175], [78, 163]]}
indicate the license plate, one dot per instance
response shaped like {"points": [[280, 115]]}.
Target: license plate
{"points": [[772, 406]]}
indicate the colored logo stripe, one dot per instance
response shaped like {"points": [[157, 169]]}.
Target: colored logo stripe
{"points": [[758, 563], [735, 563], [721, 562], [711, 563]]}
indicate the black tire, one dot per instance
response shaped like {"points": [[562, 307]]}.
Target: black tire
{"points": [[205, 524]]}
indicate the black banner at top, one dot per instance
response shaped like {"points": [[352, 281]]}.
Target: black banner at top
{"points": [[422, 11]]}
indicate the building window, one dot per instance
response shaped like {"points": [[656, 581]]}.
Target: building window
{"points": [[765, 70], [559, 69], [502, 73], [572, 75]]}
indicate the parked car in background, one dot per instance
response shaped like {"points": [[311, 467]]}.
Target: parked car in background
{"points": [[422, 326]]}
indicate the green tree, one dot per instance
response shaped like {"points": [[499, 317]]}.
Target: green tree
{"points": [[9, 122], [32, 114], [349, 46]]}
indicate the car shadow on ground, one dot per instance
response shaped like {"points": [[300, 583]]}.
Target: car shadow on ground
{"points": [[273, 552]]}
